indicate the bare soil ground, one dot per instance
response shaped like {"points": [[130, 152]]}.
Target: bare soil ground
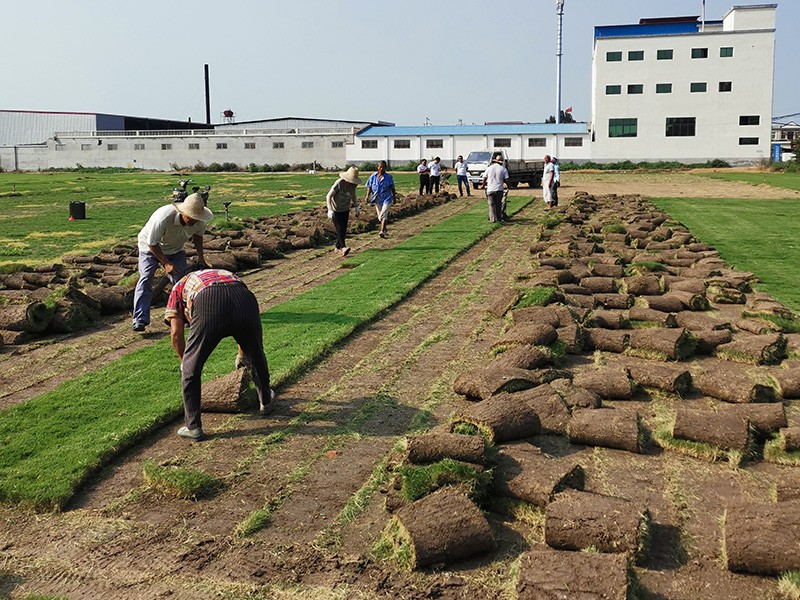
{"points": [[123, 539]]}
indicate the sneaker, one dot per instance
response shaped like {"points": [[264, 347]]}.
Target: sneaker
{"points": [[382, 234], [265, 409], [345, 251], [191, 434], [139, 326]]}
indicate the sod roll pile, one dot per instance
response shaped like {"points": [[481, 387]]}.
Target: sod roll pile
{"points": [[433, 447]]}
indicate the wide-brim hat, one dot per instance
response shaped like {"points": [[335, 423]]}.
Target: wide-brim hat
{"points": [[351, 176], [194, 208]]}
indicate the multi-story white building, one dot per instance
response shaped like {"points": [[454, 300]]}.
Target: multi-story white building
{"points": [[678, 89]]}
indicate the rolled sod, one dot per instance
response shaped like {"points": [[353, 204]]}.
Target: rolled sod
{"points": [[524, 472], [501, 418], [690, 300], [481, 384], [503, 302], [433, 447], [537, 314], [788, 485], [731, 383], [614, 301], [765, 417], [574, 396], [767, 349], [577, 520], [536, 334], [71, 316], [573, 337], [700, 321], [607, 270], [553, 575], [524, 357], [111, 299], [724, 295], [662, 343], [611, 383], [607, 340], [670, 378], [443, 528], [548, 405], [708, 341], [578, 300], [611, 319], [608, 428], [693, 285], [643, 285], [228, 394], [648, 315], [754, 326], [33, 317], [663, 303], [599, 285], [763, 538], [726, 430], [790, 439]]}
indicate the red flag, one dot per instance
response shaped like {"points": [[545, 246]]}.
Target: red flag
{"points": [[568, 110]]}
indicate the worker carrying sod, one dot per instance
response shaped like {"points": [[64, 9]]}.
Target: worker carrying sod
{"points": [[215, 304]]}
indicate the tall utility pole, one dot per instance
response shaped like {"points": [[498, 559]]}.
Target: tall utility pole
{"points": [[560, 16]]}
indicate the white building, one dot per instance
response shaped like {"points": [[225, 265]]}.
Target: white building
{"points": [[783, 134], [527, 141], [678, 89]]}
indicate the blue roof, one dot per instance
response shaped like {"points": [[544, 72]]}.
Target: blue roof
{"points": [[434, 130], [642, 29]]}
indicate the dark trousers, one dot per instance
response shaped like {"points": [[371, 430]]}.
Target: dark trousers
{"points": [[495, 206], [434, 184], [220, 311], [554, 192], [424, 184], [463, 179], [340, 223]]}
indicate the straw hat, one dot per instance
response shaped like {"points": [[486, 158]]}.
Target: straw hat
{"points": [[194, 208], [351, 176]]}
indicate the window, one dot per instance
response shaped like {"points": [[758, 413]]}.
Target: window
{"points": [[369, 144], [613, 90], [306, 144], [725, 86], [622, 127], [664, 55], [750, 120], [502, 142], [434, 143], [166, 146], [222, 145], [86, 146], [726, 52], [573, 141], [636, 55], [113, 147], [138, 146], [613, 56], [748, 141], [402, 143], [699, 52], [60, 146], [663, 88], [194, 146], [636, 88], [699, 86], [277, 145], [337, 144], [680, 126], [249, 145], [536, 142]]}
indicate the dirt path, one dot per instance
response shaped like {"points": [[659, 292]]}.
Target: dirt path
{"points": [[312, 467]]}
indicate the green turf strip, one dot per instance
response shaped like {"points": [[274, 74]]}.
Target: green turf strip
{"points": [[52, 443]]}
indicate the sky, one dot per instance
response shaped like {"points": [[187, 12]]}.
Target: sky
{"points": [[408, 62]]}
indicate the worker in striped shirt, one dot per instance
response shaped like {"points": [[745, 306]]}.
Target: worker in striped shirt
{"points": [[215, 304]]}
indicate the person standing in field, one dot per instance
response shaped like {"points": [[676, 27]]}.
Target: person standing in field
{"points": [[547, 182], [556, 179], [380, 187], [424, 177], [494, 179], [161, 242], [461, 175], [215, 304], [436, 168], [340, 198]]}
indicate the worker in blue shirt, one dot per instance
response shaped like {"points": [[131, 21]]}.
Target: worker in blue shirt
{"points": [[381, 190]]}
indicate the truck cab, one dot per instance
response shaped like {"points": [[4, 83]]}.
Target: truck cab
{"points": [[519, 171]]}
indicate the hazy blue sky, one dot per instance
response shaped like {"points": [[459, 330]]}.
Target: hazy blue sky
{"points": [[400, 60]]}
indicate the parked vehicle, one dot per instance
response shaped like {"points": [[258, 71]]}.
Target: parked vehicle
{"points": [[519, 171]]}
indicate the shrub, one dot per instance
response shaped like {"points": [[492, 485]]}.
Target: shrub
{"points": [[370, 166]]}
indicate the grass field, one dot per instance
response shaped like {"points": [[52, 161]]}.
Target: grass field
{"points": [[51, 443], [34, 207], [751, 235], [789, 181]]}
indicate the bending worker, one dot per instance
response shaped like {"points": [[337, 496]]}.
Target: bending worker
{"points": [[161, 242], [215, 304]]}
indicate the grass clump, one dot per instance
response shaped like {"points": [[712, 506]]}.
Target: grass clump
{"points": [[539, 295], [420, 480], [774, 453], [394, 545], [613, 228], [189, 484], [775, 322], [789, 585], [645, 267]]}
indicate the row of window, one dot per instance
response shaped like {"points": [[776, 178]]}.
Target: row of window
{"points": [[196, 146], [667, 54], [675, 127], [666, 88], [496, 143]]}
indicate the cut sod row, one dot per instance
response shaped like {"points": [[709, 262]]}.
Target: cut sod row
{"points": [[54, 442]]}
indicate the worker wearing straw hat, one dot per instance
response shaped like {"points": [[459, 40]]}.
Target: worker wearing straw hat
{"points": [[340, 198], [161, 242]]}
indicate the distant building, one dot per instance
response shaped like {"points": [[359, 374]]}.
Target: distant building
{"points": [[527, 141], [783, 134], [676, 89]]}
